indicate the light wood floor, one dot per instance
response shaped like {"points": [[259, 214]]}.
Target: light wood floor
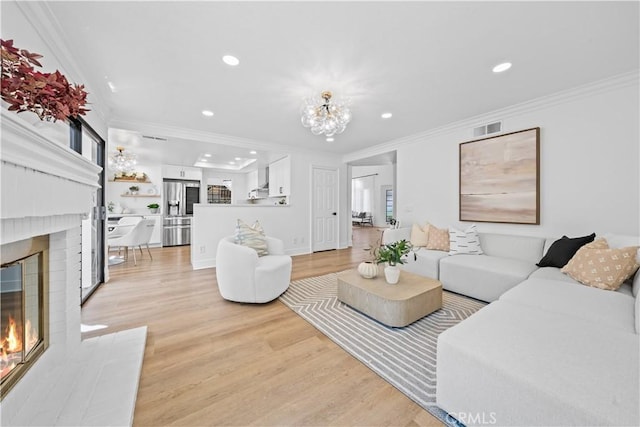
{"points": [[213, 362]]}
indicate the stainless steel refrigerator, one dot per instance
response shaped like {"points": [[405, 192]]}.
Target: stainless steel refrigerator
{"points": [[179, 197]]}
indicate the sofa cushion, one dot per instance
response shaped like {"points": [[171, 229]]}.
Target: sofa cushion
{"points": [[427, 263], [529, 367], [524, 248], [438, 239], [390, 235], [563, 249], [482, 276], [464, 242], [553, 273], [595, 264], [599, 307], [419, 235]]}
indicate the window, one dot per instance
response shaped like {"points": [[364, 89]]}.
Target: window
{"points": [[388, 209]]}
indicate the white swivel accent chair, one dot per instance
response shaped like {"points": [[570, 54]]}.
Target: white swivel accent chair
{"points": [[138, 235], [243, 276]]}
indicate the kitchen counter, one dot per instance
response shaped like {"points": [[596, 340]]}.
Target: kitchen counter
{"points": [[112, 215], [238, 205]]}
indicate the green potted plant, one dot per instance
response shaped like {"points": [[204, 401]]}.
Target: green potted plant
{"points": [[393, 254], [134, 189], [153, 207]]}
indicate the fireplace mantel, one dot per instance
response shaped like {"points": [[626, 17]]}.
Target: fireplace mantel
{"points": [[44, 183]]}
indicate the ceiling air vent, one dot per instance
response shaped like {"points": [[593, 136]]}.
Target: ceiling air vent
{"points": [[487, 129], [154, 138]]}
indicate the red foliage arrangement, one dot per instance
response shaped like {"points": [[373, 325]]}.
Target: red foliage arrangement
{"points": [[49, 95]]}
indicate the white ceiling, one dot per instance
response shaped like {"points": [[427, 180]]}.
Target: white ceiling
{"points": [[429, 63]]}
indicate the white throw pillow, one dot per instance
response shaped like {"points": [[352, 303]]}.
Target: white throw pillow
{"points": [[464, 242], [252, 237]]}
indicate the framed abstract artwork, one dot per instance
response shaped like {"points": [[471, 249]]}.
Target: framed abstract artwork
{"points": [[500, 178]]}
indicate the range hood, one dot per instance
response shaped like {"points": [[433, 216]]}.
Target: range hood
{"points": [[263, 180]]}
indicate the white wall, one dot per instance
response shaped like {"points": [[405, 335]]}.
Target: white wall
{"points": [[588, 164], [384, 177]]}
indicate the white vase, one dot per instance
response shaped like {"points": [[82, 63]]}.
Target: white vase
{"points": [[392, 274], [368, 270]]}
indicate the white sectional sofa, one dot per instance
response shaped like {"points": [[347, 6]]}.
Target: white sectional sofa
{"points": [[547, 351]]}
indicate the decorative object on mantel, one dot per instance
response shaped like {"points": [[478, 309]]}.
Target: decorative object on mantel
{"points": [[123, 164], [500, 178], [49, 95], [324, 116], [153, 207], [393, 254]]}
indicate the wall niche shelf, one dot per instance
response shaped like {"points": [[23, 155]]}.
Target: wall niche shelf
{"points": [[144, 181]]}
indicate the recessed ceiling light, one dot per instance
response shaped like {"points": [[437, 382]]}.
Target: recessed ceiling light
{"points": [[386, 115], [330, 139], [253, 152], [232, 163], [207, 113], [203, 160], [238, 158], [207, 155], [502, 67], [230, 60]]}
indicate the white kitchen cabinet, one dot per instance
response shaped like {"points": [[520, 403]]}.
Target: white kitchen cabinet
{"points": [[181, 172], [280, 177], [252, 180]]}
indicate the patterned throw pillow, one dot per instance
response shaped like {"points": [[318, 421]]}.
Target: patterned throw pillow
{"points": [[438, 239], [464, 242], [419, 235], [251, 236], [597, 265]]}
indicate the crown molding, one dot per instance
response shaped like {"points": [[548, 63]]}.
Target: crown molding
{"points": [[619, 81], [203, 136], [47, 26]]}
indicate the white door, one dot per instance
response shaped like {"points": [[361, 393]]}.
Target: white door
{"points": [[325, 209]]}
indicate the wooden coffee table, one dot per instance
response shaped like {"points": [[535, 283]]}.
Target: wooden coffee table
{"points": [[412, 298]]}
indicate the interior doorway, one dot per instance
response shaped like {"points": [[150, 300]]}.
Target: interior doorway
{"points": [[324, 209]]}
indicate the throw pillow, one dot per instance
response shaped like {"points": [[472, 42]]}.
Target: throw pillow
{"points": [[419, 235], [597, 265], [464, 242], [438, 239], [251, 236], [562, 250]]}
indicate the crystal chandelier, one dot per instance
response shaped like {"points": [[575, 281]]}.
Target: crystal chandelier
{"points": [[121, 161], [324, 116]]}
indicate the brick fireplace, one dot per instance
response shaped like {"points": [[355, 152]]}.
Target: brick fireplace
{"points": [[46, 193]]}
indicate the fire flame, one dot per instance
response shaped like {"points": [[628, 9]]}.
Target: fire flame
{"points": [[12, 343]]}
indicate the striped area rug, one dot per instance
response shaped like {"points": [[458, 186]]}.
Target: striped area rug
{"points": [[405, 357]]}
